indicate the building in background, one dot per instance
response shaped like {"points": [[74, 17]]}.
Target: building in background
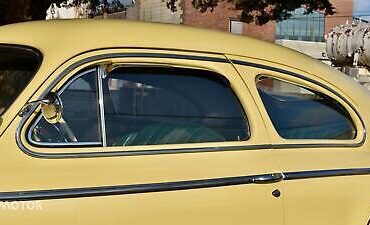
{"points": [[68, 12], [344, 13], [314, 26], [157, 11], [224, 18], [301, 26], [306, 32]]}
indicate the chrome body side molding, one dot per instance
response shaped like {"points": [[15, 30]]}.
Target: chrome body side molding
{"points": [[175, 186]]}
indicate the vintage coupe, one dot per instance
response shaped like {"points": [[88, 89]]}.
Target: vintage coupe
{"points": [[110, 122]]}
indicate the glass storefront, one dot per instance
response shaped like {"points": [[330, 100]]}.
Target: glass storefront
{"points": [[301, 26]]}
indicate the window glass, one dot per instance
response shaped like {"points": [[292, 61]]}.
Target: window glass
{"points": [[80, 122], [236, 27], [300, 113], [17, 67], [153, 105], [302, 26]]}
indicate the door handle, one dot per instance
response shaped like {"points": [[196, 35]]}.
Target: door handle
{"points": [[268, 178]]}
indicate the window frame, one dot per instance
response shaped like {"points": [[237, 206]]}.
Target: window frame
{"points": [[101, 70], [37, 119], [231, 22], [319, 87]]}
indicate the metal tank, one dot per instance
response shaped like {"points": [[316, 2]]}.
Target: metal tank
{"points": [[348, 48], [349, 45], [365, 55]]}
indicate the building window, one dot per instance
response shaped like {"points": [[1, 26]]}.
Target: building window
{"points": [[301, 26], [236, 27]]}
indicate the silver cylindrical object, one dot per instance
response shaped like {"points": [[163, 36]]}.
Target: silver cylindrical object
{"points": [[344, 42]]}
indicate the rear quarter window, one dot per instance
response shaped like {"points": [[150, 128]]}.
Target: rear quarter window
{"points": [[301, 113]]}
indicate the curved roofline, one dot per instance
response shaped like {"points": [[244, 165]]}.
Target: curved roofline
{"points": [[203, 40], [60, 40]]}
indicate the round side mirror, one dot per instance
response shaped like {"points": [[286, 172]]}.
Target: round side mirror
{"points": [[52, 108]]}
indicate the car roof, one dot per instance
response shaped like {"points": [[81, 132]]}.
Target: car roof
{"points": [[71, 37], [59, 40]]}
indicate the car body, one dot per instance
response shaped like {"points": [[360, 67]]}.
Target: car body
{"points": [[164, 124]]}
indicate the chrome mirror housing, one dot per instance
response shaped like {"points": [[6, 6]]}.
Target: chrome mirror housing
{"points": [[52, 108]]}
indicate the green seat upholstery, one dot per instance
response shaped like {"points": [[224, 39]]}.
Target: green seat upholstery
{"points": [[170, 134]]}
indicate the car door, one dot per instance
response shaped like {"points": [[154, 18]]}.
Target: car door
{"points": [[148, 137], [318, 135]]}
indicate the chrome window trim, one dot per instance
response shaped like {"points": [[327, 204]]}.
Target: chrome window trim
{"points": [[53, 144], [181, 150], [66, 144], [101, 75]]}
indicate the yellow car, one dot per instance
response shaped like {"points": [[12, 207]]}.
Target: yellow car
{"points": [[111, 122]]}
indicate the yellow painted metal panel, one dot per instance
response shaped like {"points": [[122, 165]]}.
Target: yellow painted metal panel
{"points": [[238, 204], [322, 200]]}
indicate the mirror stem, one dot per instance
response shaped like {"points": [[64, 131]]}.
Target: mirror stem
{"points": [[27, 107]]}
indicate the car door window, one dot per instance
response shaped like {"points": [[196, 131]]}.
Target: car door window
{"points": [[155, 105], [301, 113], [81, 121]]}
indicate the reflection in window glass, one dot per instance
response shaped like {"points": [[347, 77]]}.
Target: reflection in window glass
{"points": [[152, 105], [300, 113], [80, 121]]}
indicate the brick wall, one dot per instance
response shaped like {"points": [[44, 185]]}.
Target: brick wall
{"points": [[344, 12], [265, 32], [219, 19], [216, 20]]}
